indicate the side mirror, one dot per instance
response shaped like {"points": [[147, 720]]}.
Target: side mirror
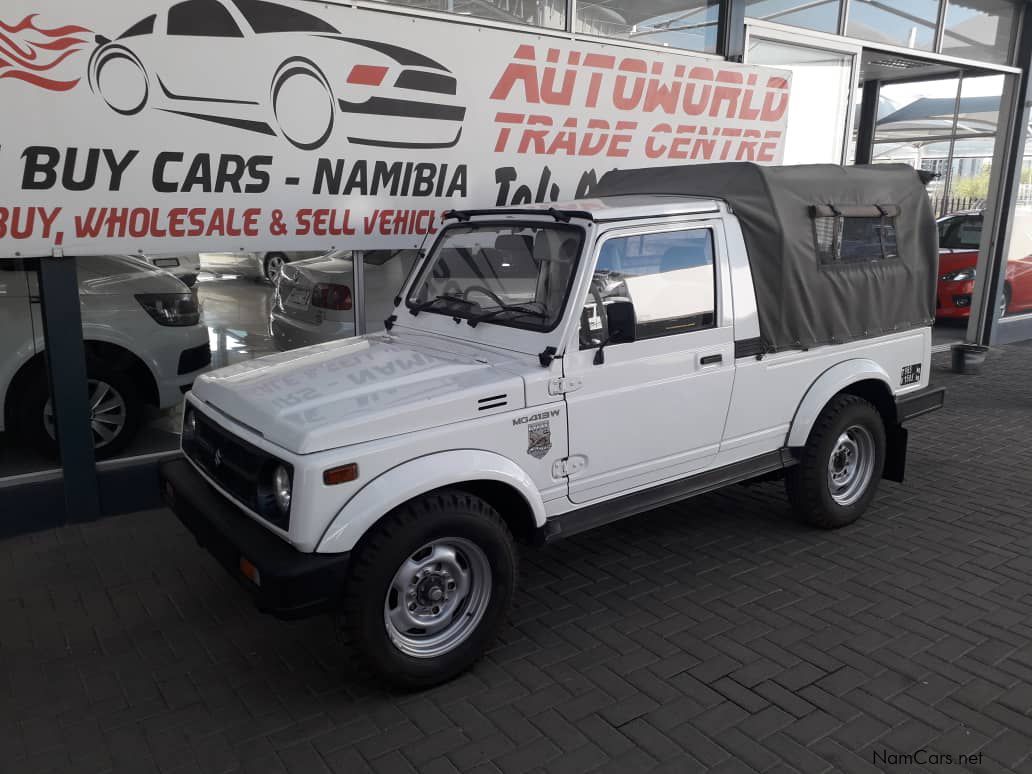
{"points": [[622, 322]]}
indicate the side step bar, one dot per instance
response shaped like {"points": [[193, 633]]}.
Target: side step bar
{"points": [[591, 516]]}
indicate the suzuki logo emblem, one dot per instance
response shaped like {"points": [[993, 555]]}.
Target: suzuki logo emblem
{"points": [[218, 457]]}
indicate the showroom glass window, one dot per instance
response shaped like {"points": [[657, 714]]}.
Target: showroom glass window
{"points": [[21, 363], [540, 13], [980, 29], [820, 16], [910, 25], [690, 25]]}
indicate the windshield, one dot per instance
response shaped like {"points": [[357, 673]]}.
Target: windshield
{"points": [[962, 232], [507, 274]]}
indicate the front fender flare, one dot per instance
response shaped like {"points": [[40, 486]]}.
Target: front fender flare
{"points": [[415, 477], [828, 385]]}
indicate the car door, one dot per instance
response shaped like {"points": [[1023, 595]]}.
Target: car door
{"points": [[205, 65], [654, 409], [17, 339]]}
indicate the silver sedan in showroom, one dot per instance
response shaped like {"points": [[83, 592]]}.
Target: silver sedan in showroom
{"points": [[257, 266], [314, 298]]}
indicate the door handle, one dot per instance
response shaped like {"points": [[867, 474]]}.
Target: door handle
{"points": [[711, 359]]}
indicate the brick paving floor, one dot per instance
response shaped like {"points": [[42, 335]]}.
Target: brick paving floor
{"points": [[714, 634]]}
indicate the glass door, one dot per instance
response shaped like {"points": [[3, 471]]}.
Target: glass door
{"points": [[820, 98]]}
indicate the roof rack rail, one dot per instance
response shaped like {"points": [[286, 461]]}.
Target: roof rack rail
{"points": [[561, 216]]}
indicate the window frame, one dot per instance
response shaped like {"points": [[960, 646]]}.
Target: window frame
{"points": [[954, 224], [716, 245], [236, 25], [319, 26], [424, 265]]}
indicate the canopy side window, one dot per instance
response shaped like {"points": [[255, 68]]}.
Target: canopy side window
{"points": [[849, 234]]}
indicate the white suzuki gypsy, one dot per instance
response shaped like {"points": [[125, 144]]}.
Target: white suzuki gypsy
{"points": [[553, 368]]}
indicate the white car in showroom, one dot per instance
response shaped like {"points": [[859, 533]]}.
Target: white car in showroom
{"points": [[144, 345], [183, 266], [314, 301]]}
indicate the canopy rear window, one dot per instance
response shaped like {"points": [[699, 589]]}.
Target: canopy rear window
{"points": [[850, 233]]}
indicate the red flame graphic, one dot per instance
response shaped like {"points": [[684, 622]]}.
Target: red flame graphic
{"points": [[27, 51]]}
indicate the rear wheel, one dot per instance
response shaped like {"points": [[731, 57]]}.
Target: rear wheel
{"points": [[841, 464], [272, 265], [430, 587], [121, 80]]}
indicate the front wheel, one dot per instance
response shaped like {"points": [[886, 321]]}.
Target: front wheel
{"points": [[303, 104], [115, 406], [841, 464], [430, 587]]}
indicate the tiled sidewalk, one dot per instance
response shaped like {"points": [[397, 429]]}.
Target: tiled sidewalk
{"points": [[712, 634]]}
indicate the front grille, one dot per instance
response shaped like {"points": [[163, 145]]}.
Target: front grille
{"points": [[243, 470], [195, 358]]}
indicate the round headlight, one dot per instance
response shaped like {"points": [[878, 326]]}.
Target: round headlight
{"points": [[189, 422], [281, 488]]}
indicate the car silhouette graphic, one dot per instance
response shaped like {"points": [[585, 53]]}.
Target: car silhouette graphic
{"points": [[272, 69]]}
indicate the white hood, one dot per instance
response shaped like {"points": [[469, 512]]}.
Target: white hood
{"points": [[355, 390]]}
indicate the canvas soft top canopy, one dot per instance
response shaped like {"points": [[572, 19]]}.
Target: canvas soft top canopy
{"points": [[837, 253]]}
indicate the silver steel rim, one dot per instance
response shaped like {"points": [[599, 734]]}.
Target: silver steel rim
{"points": [[275, 263], [851, 466], [108, 413], [437, 597]]}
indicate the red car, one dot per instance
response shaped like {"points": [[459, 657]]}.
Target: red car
{"points": [[959, 236]]}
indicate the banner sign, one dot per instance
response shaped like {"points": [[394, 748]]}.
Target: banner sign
{"points": [[252, 124]]}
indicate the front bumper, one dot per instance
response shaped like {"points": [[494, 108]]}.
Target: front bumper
{"points": [[953, 300], [291, 584]]}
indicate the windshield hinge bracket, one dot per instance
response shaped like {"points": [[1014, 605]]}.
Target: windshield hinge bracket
{"points": [[567, 466], [564, 384], [546, 356]]}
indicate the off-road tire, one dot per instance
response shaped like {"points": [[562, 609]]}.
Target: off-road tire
{"points": [[807, 483], [449, 513]]}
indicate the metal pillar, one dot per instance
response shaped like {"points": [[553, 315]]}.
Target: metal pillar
{"points": [[66, 369], [867, 123], [1004, 186], [731, 30], [359, 297]]}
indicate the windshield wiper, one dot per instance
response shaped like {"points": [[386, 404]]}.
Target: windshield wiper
{"points": [[520, 308], [417, 308]]}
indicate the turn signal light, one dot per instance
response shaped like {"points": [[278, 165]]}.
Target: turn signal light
{"points": [[250, 572], [367, 75], [340, 475], [327, 295]]}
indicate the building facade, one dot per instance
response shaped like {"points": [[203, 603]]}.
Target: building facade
{"points": [[941, 85]]}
